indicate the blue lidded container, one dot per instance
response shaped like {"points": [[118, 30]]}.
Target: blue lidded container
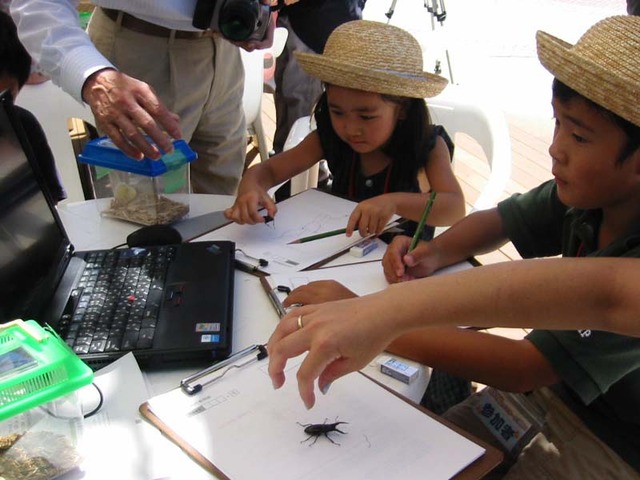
{"points": [[146, 192]]}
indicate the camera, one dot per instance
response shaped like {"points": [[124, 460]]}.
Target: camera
{"points": [[236, 20]]}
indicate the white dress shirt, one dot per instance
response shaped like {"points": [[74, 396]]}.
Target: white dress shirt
{"points": [[51, 32]]}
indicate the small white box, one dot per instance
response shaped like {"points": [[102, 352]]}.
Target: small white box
{"points": [[363, 248], [400, 371]]}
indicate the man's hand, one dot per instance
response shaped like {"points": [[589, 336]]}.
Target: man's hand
{"points": [[125, 109], [341, 337]]}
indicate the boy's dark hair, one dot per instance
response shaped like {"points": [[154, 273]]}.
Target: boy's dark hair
{"points": [[564, 93], [15, 61], [407, 145]]}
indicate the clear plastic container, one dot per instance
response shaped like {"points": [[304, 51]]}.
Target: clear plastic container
{"points": [[41, 414], [146, 192]]}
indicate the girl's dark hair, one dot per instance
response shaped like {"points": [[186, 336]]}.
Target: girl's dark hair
{"points": [[407, 145], [15, 61], [564, 93]]}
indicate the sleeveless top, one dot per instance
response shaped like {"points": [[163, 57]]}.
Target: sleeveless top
{"points": [[348, 180]]}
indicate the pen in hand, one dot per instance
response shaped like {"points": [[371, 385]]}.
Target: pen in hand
{"points": [[418, 234]]}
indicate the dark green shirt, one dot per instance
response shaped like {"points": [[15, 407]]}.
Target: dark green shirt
{"points": [[600, 371]]}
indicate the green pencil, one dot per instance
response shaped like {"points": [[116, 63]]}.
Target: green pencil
{"points": [[318, 236], [420, 229]]}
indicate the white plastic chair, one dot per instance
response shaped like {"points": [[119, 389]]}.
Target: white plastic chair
{"points": [[280, 37], [252, 97], [254, 86], [309, 178], [459, 112], [53, 107]]}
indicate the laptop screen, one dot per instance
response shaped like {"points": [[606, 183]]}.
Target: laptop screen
{"points": [[32, 246]]}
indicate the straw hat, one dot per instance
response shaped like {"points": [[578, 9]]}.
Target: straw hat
{"points": [[374, 57], [604, 66]]}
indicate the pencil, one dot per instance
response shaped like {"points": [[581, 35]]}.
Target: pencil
{"points": [[318, 236], [420, 229]]}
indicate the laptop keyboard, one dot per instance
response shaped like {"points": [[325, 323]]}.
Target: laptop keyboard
{"points": [[116, 303]]}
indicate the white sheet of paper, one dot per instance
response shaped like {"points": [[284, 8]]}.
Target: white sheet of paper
{"points": [[249, 430], [116, 443], [308, 213]]}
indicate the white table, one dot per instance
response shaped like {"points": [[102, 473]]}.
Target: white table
{"points": [[254, 316]]}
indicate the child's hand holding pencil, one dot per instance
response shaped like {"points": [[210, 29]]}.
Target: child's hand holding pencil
{"points": [[395, 264]]}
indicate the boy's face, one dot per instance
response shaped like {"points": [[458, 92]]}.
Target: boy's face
{"points": [[585, 149], [364, 120]]}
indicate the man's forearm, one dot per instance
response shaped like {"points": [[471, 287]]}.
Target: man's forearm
{"points": [[50, 31]]}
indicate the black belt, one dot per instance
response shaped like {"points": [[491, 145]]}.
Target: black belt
{"points": [[140, 26]]}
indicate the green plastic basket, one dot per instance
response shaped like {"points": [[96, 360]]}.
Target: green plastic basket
{"points": [[36, 367]]}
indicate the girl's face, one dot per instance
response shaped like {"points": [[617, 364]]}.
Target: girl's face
{"points": [[364, 120], [585, 149]]}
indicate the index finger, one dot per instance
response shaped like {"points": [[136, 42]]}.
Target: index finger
{"points": [[311, 368], [114, 131], [280, 349], [126, 131], [392, 261], [354, 218], [269, 205], [152, 116]]}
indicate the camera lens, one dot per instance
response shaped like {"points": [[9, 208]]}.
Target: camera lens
{"points": [[238, 19]]}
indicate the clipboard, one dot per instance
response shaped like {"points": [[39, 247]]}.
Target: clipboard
{"points": [[274, 296], [242, 415]]}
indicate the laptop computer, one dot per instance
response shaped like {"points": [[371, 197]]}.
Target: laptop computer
{"points": [[180, 296]]}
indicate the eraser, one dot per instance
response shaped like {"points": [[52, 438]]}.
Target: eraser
{"points": [[400, 371], [363, 248]]}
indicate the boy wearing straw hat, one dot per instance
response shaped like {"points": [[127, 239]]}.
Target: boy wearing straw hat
{"points": [[561, 403], [374, 131]]}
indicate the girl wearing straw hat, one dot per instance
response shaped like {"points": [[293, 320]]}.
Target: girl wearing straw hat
{"points": [[374, 131], [561, 403]]}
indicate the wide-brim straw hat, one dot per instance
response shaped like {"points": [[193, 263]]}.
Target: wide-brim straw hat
{"points": [[603, 66], [374, 57]]}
